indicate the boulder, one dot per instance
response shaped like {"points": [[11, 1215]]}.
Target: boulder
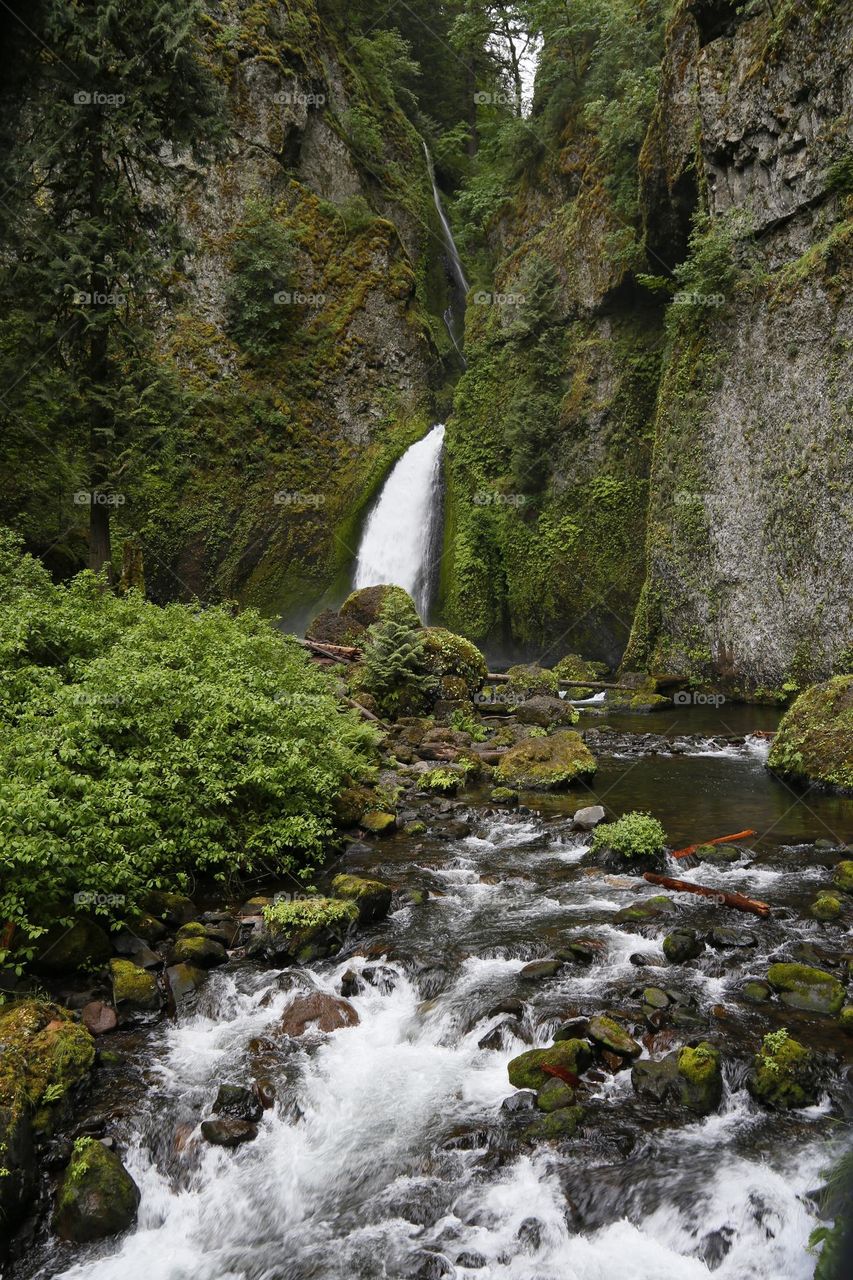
{"points": [[331, 627], [826, 907], [546, 764], [237, 1102], [799, 986], [554, 1095], [304, 930], [98, 1018], [682, 945], [845, 1019], [608, 1034], [525, 1071], [44, 1056], [135, 948], [842, 877], [563, 1123], [135, 991], [504, 796], [199, 951], [537, 970], [173, 909], [371, 897], [66, 950], [378, 822], [228, 1132], [783, 1073], [318, 1009], [814, 742], [184, 980], [545, 711], [645, 910], [718, 854], [589, 817], [688, 1077], [97, 1196], [457, 665], [756, 991], [364, 606], [529, 680]]}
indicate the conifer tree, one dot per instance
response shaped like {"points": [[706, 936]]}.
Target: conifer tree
{"points": [[395, 661]]}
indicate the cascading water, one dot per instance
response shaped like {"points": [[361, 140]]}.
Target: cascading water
{"points": [[400, 539], [454, 315]]}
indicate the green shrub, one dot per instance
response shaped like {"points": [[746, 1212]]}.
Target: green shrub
{"points": [[635, 835], [263, 259], [395, 670], [142, 745]]}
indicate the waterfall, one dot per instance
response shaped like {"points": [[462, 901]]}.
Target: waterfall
{"points": [[400, 539], [455, 313]]}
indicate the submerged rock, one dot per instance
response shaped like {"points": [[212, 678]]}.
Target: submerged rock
{"points": [[563, 1123], [682, 945], [801, 987], [371, 897], [539, 969], [546, 764], [97, 1196], [238, 1103], [317, 1008], [647, 909], [783, 1073]]}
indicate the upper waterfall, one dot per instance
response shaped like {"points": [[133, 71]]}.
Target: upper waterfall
{"points": [[454, 315], [399, 541]]}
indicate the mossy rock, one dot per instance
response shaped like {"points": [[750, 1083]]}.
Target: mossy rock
{"points": [[417, 828], [525, 1071], [554, 1095], [702, 1078], [783, 1073], [546, 764], [97, 1196], [306, 930], [378, 822], [756, 991], [200, 951], [44, 1055], [648, 909], [457, 663], [351, 805], [682, 945], [814, 742], [574, 667], [529, 680], [372, 897], [842, 876], [800, 986], [607, 1033], [826, 907], [546, 712], [718, 854], [135, 991], [331, 627], [845, 1019], [174, 909], [641, 698], [563, 1123], [66, 950], [364, 606], [504, 796]]}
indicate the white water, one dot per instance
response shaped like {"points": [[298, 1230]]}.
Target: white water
{"points": [[360, 1178], [454, 261], [400, 538]]}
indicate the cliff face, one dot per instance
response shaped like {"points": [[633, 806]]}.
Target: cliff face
{"points": [[749, 541]]}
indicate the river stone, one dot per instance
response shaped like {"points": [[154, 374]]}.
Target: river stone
{"points": [[371, 897], [574, 1029], [558, 1124], [546, 764], [525, 1071], [317, 1008], [97, 1196], [655, 998], [591, 816], [607, 1033], [689, 1077], [801, 987], [237, 1102], [724, 937], [539, 969], [545, 711], [682, 945], [825, 907], [228, 1132], [555, 1094], [648, 909], [224, 930], [756, 991], [494, 1039], [783, 1073], [845, 1019], [504, 795], [63, 950], [184, 980], [718, 854], [135, 991], [524, 1100], [133, 948], [172, 908], [98, 1018], [200, 951], [586, 950], [842, 877]]}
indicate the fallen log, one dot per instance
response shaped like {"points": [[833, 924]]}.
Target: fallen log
{"points": [[691, 848], [368, 715], [337, 652], [737, 901], [499, 678]]}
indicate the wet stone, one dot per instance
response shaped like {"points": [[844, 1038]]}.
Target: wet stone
{"points": [[228, 1132], [756, 991], [656, 998], [98, 1018], [524, 1100], [682, 945], [723, 937], [238, 1102], [538, 970]]}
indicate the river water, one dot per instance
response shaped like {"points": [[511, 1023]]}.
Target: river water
{"points": [[389, 1153]]}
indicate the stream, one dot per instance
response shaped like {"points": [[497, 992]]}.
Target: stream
{"points": [[391, 1152]]}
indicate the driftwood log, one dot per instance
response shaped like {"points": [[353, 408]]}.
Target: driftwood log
{"points": [[737, 901], [691, 848]]}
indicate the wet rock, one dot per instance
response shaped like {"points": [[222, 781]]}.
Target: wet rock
{"points": [[608, 1034], [718, 854], [801, 987], [639, 960], [722, 938], [682, 945], [135, 990], [173, 909], [546, 764], [529, 1235], [826, 907], [845, 1019], [325, 1012], [554, 1095], [453, 829], [524, 1100], [495, 1038], [574, 1029], [378, 822], [228, 1132], [558, 1124], [63, 950], [689, 1077], [471, 1260], [200, 951], [351, 984], [184, 980], [842, 877], [655, 998], [432, 980], [380, 976], [97, 1196], [224, 931], [98, 1017], [586, 950], [513, 1007], [266, 1093], [148, 928], [237, 1102], [783, 1073], [537, 970], [526, 1071], [545, 711], [417, 828], [371, 897], [649, 909], [589, 817], [134, 948], [432, 1266], [756, 991], [503, 795]]}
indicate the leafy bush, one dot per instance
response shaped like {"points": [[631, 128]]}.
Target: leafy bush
{"points": [[142, 745], [635, 835], [396, 670], [263, 260]]}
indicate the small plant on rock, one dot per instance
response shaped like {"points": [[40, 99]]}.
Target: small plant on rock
{"points": [[395, 662], [634, 835]]}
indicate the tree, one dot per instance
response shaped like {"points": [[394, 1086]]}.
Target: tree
{"points": [[395, 660], [124, 105]]}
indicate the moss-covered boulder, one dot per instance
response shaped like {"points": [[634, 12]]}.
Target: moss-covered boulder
{"points": [[44, 1055], [783, 1073], [574, 667], [842, 876], [457, 665], [378, 822], [845, 1019], [135, 991], [563, 1123], [365, 605], [647, 910], [371, 897], [200, 951], [546, 764], [546, 712], [814, 742], [608, 1034], [333, 627], [97, 1196], [682, 945], [688, 1077], [66, 950], [826, 907], [529, 680], [305, 930], [802, 987], [173, 909], [718, 854], [351, 805], [640, 697], [570, 1056]]}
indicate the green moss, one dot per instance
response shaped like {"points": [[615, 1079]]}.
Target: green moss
{"points": [[783, 1073], [43, 1056], [842, 876], [826, 907], [526, 1071], [802, 987], [453, 659], [699, 1068], [135, 987], [814, 742], [308, 913], [97, 1197], [546, 764], [563, 1123]]}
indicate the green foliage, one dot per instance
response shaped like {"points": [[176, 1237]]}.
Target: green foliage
{"points": [[307, 913], [634, 835], [442, 780], [261, 294], [396, 670], [839, 176], [466, 722], [143, 745]]}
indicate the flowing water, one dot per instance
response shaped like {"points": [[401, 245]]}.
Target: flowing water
{"points": [[454, 316], [400, 540], [390, 1154]]}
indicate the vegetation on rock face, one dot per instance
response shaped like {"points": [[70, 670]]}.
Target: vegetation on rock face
{"points": [[634, 835], [97, 1196], [814, 742], [783, 1073], [141, 745]]}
